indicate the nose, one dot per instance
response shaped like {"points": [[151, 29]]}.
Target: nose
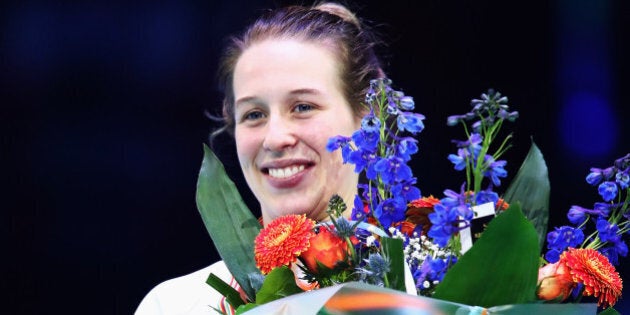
{"points": [[279, 134]]}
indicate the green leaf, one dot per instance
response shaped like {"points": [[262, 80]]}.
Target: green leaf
{"points": [[279, 283], [231, 225], [609, 311], [501, 268], [531, 188], [231, 295], [393, 250]]}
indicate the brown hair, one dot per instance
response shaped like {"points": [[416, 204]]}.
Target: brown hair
{"points": [[330, 24]]}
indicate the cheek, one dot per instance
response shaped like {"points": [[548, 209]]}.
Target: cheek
{"points": [[246, 147], [340, 123]]}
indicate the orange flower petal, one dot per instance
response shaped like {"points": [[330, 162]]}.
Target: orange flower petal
{"points": [[327, 248], [282, 241], [425, 202], [595, 272]]}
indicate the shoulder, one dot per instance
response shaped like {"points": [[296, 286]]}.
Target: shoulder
{"points": [[187, 294]]}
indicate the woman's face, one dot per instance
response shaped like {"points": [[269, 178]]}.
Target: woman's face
{"points": [[288, 102]]}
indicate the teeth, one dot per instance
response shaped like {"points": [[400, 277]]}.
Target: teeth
{"points": [[285, 172]]}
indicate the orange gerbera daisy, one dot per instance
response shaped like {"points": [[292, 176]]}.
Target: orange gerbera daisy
{"points": [[282, 241], [595, 272]]}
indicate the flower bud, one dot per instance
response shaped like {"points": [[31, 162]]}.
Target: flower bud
{"points": [[554, 282], [326, 248]]}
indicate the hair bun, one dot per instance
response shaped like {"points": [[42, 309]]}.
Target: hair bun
{"points": [[340, 11]]}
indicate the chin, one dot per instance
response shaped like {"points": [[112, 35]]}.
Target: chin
{"points": [[299, 207]]}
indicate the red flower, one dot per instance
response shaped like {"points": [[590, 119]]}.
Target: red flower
{"points": [[424, 202], [327, 248], [501, 205], [282, 241], [595, 272], [418, 212], [554, 282], [405, 227]]}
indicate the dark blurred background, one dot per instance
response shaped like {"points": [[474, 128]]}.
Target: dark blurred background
{"points": [[102, 120]]}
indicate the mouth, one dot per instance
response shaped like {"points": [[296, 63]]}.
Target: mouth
{"points": [[284, 172]]}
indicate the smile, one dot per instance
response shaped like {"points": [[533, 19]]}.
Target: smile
{"points": [[285, 172]]}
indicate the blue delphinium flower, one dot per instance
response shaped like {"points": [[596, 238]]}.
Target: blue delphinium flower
{"points": [[342, 142], [460, 159], [371, 123], [407, 103], [473, 143], [393, 169], [623, 162], [365, 140], [406, 147], [443, 220], [623, 178], [577, 214], [458, 202], [613, 253], [560, 239], [407, 190], [509, 116], [390, 210], [598, 175], [336, 142], [595, 177], [361, 159], [603, 209], [608, 190], [495, 170], [607, 231], [434, 269], [553, 255], [486, 195], [454, 120], [358, 210], [411, 122], [616, 249]]}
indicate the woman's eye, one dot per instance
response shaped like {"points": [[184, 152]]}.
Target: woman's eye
{"points": [[255, 115], [303, 107]]}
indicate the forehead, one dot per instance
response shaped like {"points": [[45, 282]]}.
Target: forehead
{"points": [[286, 63]]}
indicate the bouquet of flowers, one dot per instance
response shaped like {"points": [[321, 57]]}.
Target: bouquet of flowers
{"points": [[399, 240]]}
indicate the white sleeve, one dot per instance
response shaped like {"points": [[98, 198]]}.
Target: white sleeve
{"points": [[188, 294], [150, 304]]}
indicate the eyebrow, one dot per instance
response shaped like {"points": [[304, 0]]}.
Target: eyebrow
{"points": [[293, 93], [247, 99], [305, 91]]}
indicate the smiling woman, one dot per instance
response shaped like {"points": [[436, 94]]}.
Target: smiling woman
{"points": [[289, 102], [294, 79]]}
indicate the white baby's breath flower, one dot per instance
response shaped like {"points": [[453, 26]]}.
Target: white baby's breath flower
{"points": [[369, 241]]}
